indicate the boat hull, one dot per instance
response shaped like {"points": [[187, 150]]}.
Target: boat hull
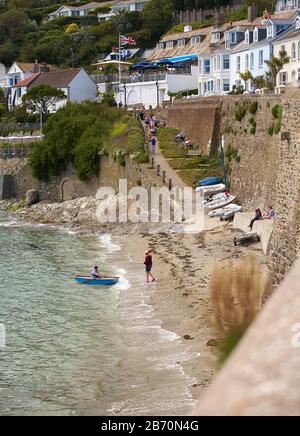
{"points": [[209, 181], [106, 281]]}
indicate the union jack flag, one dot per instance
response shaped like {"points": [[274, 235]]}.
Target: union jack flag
{"points": [[127, 40]]}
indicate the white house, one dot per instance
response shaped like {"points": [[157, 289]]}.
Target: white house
{"points": [[290, 42], [122, 5], [20, 71], [257, 46], [285, 5], [74, 11], [77, 85]]}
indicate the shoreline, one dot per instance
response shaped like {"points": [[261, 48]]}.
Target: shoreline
{"points": [[181, 301]]}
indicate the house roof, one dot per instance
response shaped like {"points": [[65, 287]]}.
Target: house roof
{"points": [[92, 5], [29, 67], [24, 83], [56, 79]]}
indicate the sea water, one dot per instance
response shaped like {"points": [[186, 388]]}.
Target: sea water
{"points": [[78, 350]]}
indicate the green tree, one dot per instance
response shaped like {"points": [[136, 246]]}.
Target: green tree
{"points": [[13, 26], [246, 77], [276, 64], [41, 97]]}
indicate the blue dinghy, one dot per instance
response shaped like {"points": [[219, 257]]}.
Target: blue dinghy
{"points": [[210, 181], [104, 281]]}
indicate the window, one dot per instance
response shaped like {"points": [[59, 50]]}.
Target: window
{"points": [[298, 75], [226, 85], [170, 44], [252, 61], [247, 37], [238, 64], [216, 37], [19, 92], [297, 24], [294, 53], [255, 35], [160, 46], [247, 62], [218, 63], [270, 31], [207, 66], [181, 42], [233, 38], [261, 58], [196, 40], [283, 79], [200, 66], [299, 51], [226, 62]]}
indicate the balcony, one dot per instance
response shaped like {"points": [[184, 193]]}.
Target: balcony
{"points": [[114, 78]]}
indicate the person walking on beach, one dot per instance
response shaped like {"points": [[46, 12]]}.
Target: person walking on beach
{"points": [[148, 265]]}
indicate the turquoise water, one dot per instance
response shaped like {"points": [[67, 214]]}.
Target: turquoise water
{"points": [[79, 350]]}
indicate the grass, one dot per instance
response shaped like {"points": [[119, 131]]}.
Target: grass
{"points": [[237, 292], [191, 176], [187, 167]]}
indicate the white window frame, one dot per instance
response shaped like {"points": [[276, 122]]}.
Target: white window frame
{"points": [[247, 37], [255, 35], [252, 61], [226, 82], [169, 44], [261, 58], [270, 31], [297, 24], [238, 64], [247, 61], [195, 40], [294, 51], [283, 78], [181, 42]]}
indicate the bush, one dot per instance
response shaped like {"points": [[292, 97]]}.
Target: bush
{"points": [[253, 106], [253, 130], [277, 127], [240, 113], [277, 112], [88, 136], [271, 130]]}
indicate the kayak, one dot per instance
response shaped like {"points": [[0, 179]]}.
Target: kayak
{"points": [[220, 203], [104, 281], [210, 181]]}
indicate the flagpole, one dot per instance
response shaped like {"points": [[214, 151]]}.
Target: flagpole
{"points": [[120, 66]]}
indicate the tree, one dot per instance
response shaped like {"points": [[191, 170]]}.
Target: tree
{"points": [[72, 28], [276, 65], [13, 26], [41, 97], [246, 77]]}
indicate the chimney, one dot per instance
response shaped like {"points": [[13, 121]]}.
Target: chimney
{"points": [[187, 29], [36, 67], [219, 19], [252, 13]]}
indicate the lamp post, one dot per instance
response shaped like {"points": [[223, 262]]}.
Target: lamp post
{"points": [[125, 96], [223, 160], [157, 93]]}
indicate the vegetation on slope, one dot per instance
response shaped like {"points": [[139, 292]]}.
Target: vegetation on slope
{"points": [[79, 134]]}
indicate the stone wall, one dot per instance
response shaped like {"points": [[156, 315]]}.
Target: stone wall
{"points": [[68, 186], [286, 235], [266, 168], [198, 121]]}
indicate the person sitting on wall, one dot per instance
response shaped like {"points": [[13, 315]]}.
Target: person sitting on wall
{"points": [[270, 215], [258, 217], [180, 137], [185, 145]]}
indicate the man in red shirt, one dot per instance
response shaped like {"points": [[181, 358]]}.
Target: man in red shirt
{"points": [[148, 265]]}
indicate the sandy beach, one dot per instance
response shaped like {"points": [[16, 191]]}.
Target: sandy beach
{"points": [[183, 264]]}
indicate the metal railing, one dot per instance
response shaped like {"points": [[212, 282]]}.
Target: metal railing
{"points": [[12, 153], [114, 78]]}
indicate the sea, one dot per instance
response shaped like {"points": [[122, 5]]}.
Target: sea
{"points": [[72, 349]]}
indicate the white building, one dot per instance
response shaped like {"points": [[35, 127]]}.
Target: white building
{"points": [[2, 76], [77, 85], [20, 71], [75, 11], [122, 5], [286, 5], [290, 42]]}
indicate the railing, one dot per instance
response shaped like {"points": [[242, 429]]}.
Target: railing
{"points": [[114, 78], [11, 152]]}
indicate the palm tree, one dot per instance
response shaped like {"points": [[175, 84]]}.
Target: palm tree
{"points": [[276, 64], [246, 76]]}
